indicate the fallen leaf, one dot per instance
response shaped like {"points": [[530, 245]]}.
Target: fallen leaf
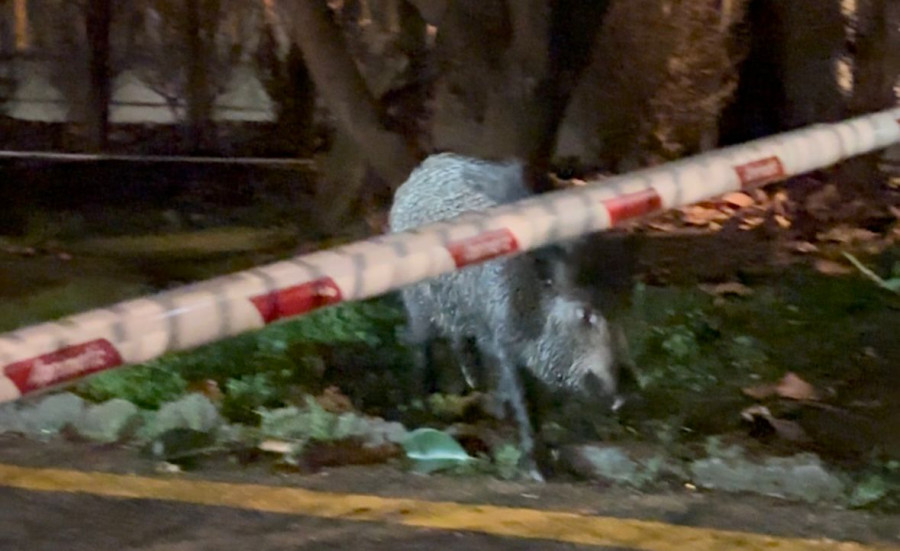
{"points": [[830, 267], [729, 288], [164, 467], [846, 234], [207, 387], [281, 447], [756, 410], [780, 209], [661, 226], [766, 423], [751, 222], [790, 386], [782, 221], [804, 247], [696, 215], [333, 401], [738, 199], [793, 387], [759, 392]]}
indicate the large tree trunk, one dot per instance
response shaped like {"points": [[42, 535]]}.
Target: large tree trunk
{"points": [[788, 78], [471, 40], [199, 101], [662, 73], [508, 72], [98, 20], [551, 46], [877, 66], [344, 90], [300, 107], [290, 86]]}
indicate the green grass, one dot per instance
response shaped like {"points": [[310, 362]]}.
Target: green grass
{"points": [[259, 368]]}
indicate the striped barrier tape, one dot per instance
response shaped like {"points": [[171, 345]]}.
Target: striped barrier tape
{"points": [[44, 356]]}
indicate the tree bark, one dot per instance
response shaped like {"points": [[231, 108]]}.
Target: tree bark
{"points": [[877, 60], [344, 91], [301, 105], [508, 73], [875, 75], [199, 102], [98, 21], [787, 80]]}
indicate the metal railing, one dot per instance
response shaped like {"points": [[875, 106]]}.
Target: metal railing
{"points": [[173, 159]]}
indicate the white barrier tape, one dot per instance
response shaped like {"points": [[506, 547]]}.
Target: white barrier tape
{"points": [[42, 356]]}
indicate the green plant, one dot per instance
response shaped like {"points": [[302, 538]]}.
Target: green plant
{"points": [[246, 394], [147, 386], [506, 461], [891, 284], [256, 368]]}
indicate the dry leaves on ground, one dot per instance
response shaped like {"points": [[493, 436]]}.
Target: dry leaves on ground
{"points": [[729, 288], [791, 386], [763, 421], [333, 401]]}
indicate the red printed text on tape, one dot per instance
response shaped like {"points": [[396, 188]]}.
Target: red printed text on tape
{"points": [[62, 365], [298, 299], [760, 172], [483, 246]]}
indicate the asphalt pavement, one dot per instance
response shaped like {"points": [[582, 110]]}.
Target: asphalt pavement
{"points": [[72, 496]]}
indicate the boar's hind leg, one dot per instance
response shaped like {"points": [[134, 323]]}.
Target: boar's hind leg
{"points": [[469, 359], [512, 393], [420, 335]]}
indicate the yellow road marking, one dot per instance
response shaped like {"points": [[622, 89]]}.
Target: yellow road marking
{"points": [[487, 519]]}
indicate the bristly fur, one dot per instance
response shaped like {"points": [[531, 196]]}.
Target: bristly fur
{"points": [[521, 312]]}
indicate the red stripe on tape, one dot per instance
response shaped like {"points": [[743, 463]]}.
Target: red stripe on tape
{"points": [[296, 300], [483, 246], [63, 365], [760, 172], [632, 205]]}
